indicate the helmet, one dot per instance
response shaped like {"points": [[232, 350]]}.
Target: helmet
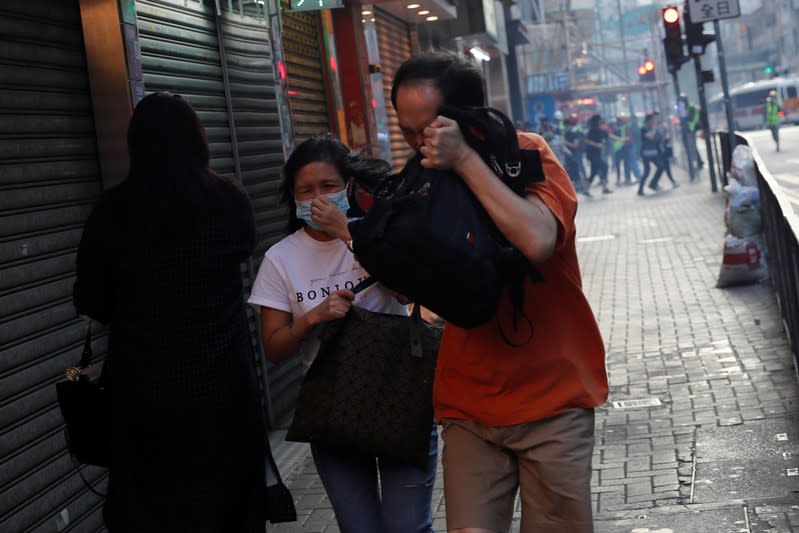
{"points": [[558, 115], [772, 92]]}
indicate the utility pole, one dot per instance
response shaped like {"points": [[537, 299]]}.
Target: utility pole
{"points": [[697, 41], [700, 88], [626, 68], [675, 56], [725, 86]]}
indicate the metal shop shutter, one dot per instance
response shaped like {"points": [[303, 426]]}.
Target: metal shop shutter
{"points": [[49, 179], [394, 41], [180, 47], [260, 158], [304, 73], [180, 54]]}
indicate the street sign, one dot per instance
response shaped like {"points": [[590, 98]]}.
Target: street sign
{"points": [[313, 5], [709, 10]]}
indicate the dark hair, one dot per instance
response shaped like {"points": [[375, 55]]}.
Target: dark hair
{"points": [[169, 176], [326, 148], [164, 135], [459, 81]]}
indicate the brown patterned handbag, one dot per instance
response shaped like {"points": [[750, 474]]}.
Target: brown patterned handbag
{"points": [[370, 387]]}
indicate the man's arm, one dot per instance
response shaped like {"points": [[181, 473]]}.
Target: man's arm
{"points": [[527, 223]]}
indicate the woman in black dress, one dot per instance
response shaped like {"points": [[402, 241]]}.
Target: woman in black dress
{"points": [[159, 261]]}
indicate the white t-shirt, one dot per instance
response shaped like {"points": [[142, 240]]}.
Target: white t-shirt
{"points": [[299, 272]]}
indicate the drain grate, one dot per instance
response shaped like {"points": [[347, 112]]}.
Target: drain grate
{"points": [[633, 404]]}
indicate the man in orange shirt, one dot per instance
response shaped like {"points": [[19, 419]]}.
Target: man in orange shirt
{"points": [[514, 416]]}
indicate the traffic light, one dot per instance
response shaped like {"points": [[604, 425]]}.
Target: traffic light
{"points": [[768, 69], [695, 36], [646, 70], [672, 42]]}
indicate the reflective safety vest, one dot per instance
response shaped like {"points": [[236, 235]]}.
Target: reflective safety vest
{"points": [[693, 117], [772, 113], [617, 145]]}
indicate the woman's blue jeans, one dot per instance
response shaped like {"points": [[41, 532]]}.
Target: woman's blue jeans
{"points": [[400, 503]]}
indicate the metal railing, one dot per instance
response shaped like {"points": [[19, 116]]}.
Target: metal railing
{"points": [[781, 231]]}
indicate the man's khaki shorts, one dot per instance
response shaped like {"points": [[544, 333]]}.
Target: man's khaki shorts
{"points": [[548, 460]]}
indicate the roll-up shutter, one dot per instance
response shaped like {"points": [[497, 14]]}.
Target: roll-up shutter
{"points": [[180, 54], [305, 73], [49, 179], [395, 46], [260, 155], [180, 47]]}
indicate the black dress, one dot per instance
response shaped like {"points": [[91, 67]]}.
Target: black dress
{"points": [[188, 435]]}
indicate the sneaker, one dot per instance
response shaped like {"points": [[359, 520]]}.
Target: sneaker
{"points": [[641, 193], [675, 185], [606, 191], [655, 188]]}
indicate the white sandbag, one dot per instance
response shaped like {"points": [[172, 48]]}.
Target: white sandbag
{"points": [[743, 166], [742, 212], [744, 261]]}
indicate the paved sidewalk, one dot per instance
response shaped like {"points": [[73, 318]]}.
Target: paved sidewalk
{"points": [[719, 450]]}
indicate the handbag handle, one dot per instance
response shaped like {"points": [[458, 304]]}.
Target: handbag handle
{"points": [[364, 284], [416, 318], [73, 373]]}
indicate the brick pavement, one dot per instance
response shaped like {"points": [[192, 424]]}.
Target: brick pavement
{"points": [[720, 451]]}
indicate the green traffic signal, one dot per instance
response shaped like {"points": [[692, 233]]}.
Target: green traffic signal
{"points": [[768, 69]]}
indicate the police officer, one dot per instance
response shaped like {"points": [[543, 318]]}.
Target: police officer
{"points": [[691, 117], [772, 116]]}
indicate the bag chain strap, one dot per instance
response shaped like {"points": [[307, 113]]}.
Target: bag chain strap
{"points": [[73, 372]]}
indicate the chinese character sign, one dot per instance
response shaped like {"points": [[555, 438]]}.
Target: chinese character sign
{"points": [[709, 10]]}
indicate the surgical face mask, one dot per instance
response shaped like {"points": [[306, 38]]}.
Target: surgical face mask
{"points": [[304, 207]]}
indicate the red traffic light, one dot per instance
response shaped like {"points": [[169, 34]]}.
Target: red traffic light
{"points": [[671, 15], [649, 65], [641, 70]]}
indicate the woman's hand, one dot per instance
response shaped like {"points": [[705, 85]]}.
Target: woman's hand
{"points": [[335, 306], [330, 218]]}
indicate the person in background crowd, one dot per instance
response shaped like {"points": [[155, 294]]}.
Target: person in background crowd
{"points": [[559, 125], [622, 141], [545, 129], [523, 418], [693, 117], [667, 148], [573, 139], [654, 152], [772, 116], [595, 141], [367, 493], [160, 262]]}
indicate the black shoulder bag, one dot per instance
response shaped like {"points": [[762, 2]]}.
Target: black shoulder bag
{"points": [[87, 411]]}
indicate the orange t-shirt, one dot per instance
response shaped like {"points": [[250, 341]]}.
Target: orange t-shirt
{"points": [[481, 377]]}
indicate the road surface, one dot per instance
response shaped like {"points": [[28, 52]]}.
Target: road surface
{"points": [[783, 165]]}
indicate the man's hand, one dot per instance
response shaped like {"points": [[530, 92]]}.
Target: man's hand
{"points": [[444, 147], [330, 218]]}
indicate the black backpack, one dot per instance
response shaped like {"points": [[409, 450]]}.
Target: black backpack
{"points": [[428, 237]]}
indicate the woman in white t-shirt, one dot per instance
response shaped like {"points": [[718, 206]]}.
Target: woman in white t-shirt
{"points": [[305, 280]]}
